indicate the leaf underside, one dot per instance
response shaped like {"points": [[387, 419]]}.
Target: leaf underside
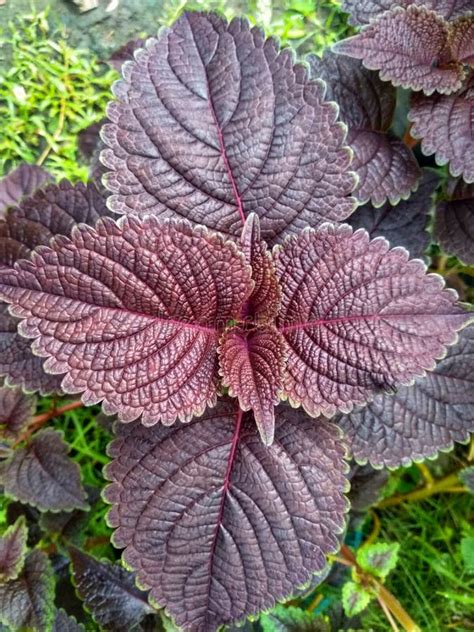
{"points": [[109, 592], [218, 525], [207, 116], [358, 318], [454, 223], [418, 421], [42, 475], [363, 11], [410, 48], [444, 124], [13, 550], [19, 183], [16, 409], [406, 223]]}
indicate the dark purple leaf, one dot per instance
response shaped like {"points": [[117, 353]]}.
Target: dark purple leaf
{"points": [[217, 524], [16, 409], [461, 39], [28, 601], [125, 53], [366, 486], [109, 592], [19, 183], [132, 312], [358, 318], [252, 364], [410, 48], [88, 139], [213, 122], [385, 166], [364, 11], [42, 475], [454, 223], [444, 123], [404, 224], [65, 623], [418, 421], [68, 524], [292, 619], [13, 550]]}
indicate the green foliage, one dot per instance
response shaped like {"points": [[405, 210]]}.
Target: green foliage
{"points": [[355, 598], [467, 553], [378, 559], [291, 619]]}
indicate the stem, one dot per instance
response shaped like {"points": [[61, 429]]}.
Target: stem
{"points": [[442, 485], [41, 420], [388, 614]]}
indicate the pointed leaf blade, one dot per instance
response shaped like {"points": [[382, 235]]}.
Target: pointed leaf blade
{"points": [[207, 116], [355, 599], [13, 550], [16, 409], [109, 592], [409, 48], [358, 318], [237, 494], [19, 183], [42, 475], [379, 558], [418, 421], [454, 223]]}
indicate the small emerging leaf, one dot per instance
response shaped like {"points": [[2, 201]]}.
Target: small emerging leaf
{"points": [[42, 475], [109, 592], [28, 601], [355, 599], [16, 409], [378, 559], [19, 183], [13, 550]]}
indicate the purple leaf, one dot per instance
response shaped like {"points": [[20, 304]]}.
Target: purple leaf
{"points": [[109, 592], [19, 183], [16, 409], [132, 312], [418, 421], [213, 122], [410, 48], [385, 166], [366, 486], [28, 601], [88, 139], [404, 224], [358, 318], [454, 223], [364, 11], [461, 39], [252, 364], [444, 123], [264, 302], [218, 525], [42, 475], [65, 623], [125, 53], [13, 550]]}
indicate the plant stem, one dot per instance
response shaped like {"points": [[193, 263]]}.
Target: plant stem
{"points": [[439, 486], [40, 420]]}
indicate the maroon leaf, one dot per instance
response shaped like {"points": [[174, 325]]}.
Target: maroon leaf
{"points": [[42, 475], [264, 301], [364, 11], [461, 39], [16, 409], [65, 623], [358, 317], [19, 183], [252, 364], [213, 122], [132, 312], [385, 166], [28, 601], [410, 48], [444, 123], [418, 421], [454, 223], [13, 550], [218, 525], [125, 53], [404, 224], [109, 592]]}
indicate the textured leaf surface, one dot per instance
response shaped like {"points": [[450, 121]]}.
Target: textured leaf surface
{"points": [[16, 408], [41, 474], [410, 48], [20, 182], [133, 314], [355, 599], [363, 11], [292, 619], [218, 525], [125, 53], [418, 421], [378, 559], [213, 123], [358, 318], [13, 550], [461, 39], [252, 364], [28, 601], [454, 223], [109, 592], [385, 166], [404, 224], [64, 623], [444, 123]]}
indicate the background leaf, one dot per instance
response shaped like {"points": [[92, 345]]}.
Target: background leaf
{"points": [[454, 223], [292, 619], [13, 550], [64, 623], [21, 182], [16, 410], [363, 11]]}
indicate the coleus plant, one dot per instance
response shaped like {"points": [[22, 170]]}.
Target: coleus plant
{"points": [[228, 315]]}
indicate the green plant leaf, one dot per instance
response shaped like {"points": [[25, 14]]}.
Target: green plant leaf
{"points": [[378, 559], [355, 599], [467, 553], [292, 619]]}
